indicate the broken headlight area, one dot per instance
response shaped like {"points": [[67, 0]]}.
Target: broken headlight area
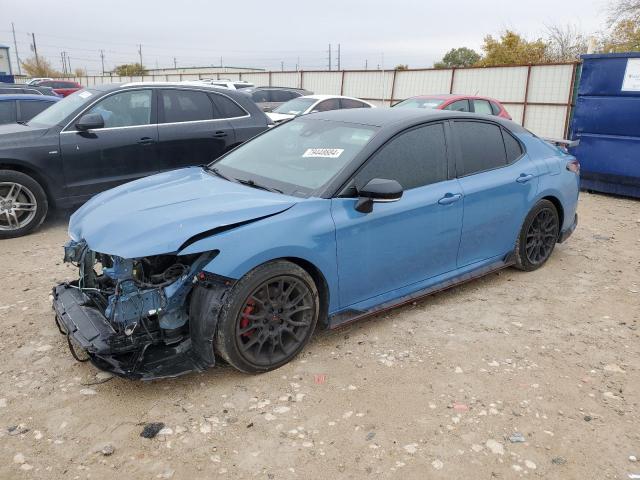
{"points": [[131, 316]]}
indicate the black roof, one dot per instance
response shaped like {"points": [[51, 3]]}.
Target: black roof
{"points": [[383, 117]]}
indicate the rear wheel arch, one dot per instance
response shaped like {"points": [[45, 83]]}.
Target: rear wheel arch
{"points": [[556, 203]]}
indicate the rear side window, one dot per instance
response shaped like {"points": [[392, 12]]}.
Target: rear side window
{"points": [[482, 106], [260, 96], [282, 95], [186, 106], [226, 108], [414, 158], [30, 108], [348, 103], [458, 106], [512, 146], [326, 105], [481, 147], [7, 112], [495, 108]]}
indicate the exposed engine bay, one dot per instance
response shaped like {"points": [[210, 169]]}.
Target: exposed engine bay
{"points": [[132, 316]]}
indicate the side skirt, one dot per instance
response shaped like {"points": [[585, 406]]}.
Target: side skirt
{"points": [[351, 315]]}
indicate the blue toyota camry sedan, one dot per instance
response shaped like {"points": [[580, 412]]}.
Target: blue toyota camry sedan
{"points": [[320, 221]]}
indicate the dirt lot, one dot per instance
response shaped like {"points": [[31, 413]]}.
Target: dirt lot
{"points": [[433, 390]]}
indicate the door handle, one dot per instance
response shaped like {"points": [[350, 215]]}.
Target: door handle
{"points": [[524, 178], [146, 141], [450, 198], [219, 134]]}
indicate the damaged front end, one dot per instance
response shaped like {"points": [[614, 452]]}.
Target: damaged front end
{"points": [[140, 318]]}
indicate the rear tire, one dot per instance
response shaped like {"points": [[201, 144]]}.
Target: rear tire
{"points": [[23, 204], [537, 237], [268, 317]]}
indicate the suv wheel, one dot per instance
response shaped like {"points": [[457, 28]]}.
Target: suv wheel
{"points": [[23, 204]]}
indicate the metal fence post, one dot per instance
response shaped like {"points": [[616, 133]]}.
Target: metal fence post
{"points": [[526, 96]]}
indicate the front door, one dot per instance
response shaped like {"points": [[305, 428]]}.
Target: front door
{"points": [[498, 182], [124, 150], [404, 242]]}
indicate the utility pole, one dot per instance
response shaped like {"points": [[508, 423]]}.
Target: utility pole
{"points": [[220, 61], [15, 44], [64, 62], [140, 53], [338, 56], [35, 49], [69, 62], [282, 66], [366, 64], [329, 56], [175, 63], [102, 59]]}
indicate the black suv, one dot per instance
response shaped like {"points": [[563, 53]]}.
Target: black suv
{"points": [[106, 135]]}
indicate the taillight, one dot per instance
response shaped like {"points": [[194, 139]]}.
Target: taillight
{"points": [[574, 166]]}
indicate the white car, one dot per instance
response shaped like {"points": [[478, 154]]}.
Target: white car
{"points": [[314, 103]]}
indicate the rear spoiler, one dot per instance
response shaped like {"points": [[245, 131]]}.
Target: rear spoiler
{"points": [[562, 142]]}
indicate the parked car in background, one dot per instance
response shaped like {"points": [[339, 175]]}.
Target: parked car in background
{"points": [[233, 85], [268, 98], [34, 81], [22, 108], [17, 89], [315, 103], [61, 87], [456, 103], [101, 137], [322, 220]]}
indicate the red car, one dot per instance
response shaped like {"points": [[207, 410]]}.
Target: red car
{"points": [[458, 103], [61, 87]]}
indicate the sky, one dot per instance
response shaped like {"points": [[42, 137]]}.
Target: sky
{"points": [[279, 33]]}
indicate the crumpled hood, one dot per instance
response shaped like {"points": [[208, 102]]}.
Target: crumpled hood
{"points": [[158, 214]]}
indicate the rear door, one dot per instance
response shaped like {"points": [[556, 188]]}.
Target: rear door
{"points": [[407, 241], [190, 130], [245, 125], [499, 183], [125, 149], [27, 109], [8, 112]]}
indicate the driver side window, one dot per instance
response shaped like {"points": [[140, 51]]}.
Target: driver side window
{"points": [[414, 158], [126, 109]]}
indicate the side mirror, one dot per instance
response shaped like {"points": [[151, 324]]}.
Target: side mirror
{"points": [[90, 121], [378, 190]]}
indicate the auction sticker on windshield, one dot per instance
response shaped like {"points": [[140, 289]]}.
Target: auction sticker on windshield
{"points": [[84, 94], [323, 152]]}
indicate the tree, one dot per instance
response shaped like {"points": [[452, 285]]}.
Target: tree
{"points": [[624, 37], [41, 68], [565, 43], [621, 10], [80, 72], [512, 49], [129, 70], [458, 57], [402, 67]]}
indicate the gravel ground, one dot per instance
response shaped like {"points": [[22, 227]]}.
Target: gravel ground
{"points": [[513, 375]]}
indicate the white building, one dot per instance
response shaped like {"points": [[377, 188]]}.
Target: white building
{"points": [[5, 62]]}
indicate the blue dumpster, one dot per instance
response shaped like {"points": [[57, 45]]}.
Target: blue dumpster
{"points": [[606, 120]]}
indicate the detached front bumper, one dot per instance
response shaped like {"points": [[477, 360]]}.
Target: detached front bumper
{"points": [[91, 337]]}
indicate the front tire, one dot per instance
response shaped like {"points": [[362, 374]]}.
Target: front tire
{"points": [[268, 318], [538, 236], [23, 204]]}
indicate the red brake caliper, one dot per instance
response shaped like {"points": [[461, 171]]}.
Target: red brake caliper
{"points": [[244, 321]]}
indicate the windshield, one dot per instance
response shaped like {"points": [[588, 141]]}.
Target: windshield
{"points": [[59, 111], [297, 157], [297, 106], [420, 103]]}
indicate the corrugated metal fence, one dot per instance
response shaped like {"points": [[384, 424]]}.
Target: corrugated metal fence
{"points": [[537, 96]]}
